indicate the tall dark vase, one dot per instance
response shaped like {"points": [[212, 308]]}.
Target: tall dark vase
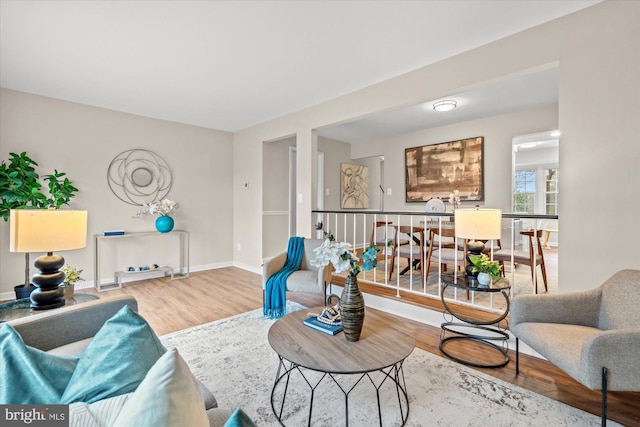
{"points": [[352, 309]]}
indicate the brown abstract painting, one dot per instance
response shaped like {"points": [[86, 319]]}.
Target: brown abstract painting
{"points": [[437, 170], [355, 186]]}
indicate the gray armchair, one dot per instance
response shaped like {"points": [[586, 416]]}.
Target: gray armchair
{"points": [[594, 336], [307, 278]]}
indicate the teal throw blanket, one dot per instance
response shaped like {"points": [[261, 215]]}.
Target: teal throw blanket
{"points": [[275, 297]]}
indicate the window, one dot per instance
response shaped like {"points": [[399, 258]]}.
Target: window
{"points": [[524, 191], [551, 191]]}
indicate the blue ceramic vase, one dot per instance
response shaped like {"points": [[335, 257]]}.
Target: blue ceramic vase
{"points": [[164, 224]]}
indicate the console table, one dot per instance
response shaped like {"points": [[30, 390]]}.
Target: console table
{"points": [[183, 243]]}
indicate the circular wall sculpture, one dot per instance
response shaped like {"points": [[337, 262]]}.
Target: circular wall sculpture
{"points": [[139, 176]]}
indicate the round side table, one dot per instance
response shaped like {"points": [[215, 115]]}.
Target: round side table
{"points": [[22, 308], [485, 332]]}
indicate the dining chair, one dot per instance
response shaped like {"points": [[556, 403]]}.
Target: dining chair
{"points": [[533, 258], [384, 232], [410, 248], [444, 253]]}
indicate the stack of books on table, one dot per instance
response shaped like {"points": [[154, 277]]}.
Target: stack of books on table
{"points": [[327, 328]]}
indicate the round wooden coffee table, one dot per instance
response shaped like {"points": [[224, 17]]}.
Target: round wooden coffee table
{"points": [[384, 344]]}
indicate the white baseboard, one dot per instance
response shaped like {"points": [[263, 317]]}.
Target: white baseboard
{"points": [[89, 284], [7, 296], [251, 268]]}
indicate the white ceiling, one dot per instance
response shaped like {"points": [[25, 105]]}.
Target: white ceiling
{"points": [[537, 89], [229, 65]]}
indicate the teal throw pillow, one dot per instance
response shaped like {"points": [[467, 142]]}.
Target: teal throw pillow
{"points": [[169, 396], [239, 419], [28, 375], [116, 360]]}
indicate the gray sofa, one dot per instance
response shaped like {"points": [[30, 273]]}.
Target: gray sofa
{"points": [[74, 328], [594, 336]]}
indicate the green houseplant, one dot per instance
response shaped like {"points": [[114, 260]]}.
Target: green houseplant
{"points": [[20, 188], [482, 264], [71, 276]]}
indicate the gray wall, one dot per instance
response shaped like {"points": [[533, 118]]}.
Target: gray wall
{"points": [[82, 140], [598, 114], [275, 200]]}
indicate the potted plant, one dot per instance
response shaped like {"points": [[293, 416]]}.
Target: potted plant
{"points": [[71, 276], [20, 188], [485, 268]]}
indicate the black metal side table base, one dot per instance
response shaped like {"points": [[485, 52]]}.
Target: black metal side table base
{"points": [[392, 373], [467, 362], [485, 332]]}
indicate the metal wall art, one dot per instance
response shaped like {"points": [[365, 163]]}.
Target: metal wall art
{"points": [[139, 176], [438, 170]]}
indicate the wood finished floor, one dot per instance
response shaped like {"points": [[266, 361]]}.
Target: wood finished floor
{"points": [[215, 294]]}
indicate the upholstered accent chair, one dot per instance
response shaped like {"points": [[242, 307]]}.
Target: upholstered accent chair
{"points": [[307, 278], [594, 336]]}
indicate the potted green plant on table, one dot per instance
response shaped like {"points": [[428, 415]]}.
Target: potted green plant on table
{"points": [[20, 188], [71, 276], [485, 268]]}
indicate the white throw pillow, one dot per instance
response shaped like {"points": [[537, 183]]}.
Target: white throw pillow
{"points": [[169, 396], [102, 413]]}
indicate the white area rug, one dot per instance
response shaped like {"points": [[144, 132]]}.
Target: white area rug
{"points": [[232, 357]]}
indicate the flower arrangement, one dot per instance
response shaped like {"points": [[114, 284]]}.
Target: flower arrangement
{"points": [[454, 199], [164, 207], [341, 255], [71, 274], [483, 264]]}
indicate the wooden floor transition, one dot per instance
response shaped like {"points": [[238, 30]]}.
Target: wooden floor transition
{"points": [[215, 294]]}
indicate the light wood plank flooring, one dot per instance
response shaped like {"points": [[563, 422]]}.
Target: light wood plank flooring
{"points": [[215, 294]]}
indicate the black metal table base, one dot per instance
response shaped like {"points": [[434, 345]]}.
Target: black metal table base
{"points": [[495, 334], [393, 373], [486, 332]]}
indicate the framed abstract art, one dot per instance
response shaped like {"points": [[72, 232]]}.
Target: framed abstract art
{"points": [[354, 180], [437, 170]]}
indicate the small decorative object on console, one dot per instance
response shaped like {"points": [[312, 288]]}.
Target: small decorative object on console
{"points": [[164, 208]]}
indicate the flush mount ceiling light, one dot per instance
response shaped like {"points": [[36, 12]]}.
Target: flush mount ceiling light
{"points": [[445, 105]]}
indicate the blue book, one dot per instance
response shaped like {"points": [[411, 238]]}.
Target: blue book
{"points": [[314, 323], [113, 233]]}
